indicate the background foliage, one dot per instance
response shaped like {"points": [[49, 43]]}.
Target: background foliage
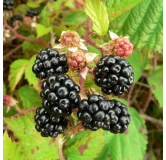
{"points": [[142, 20]]}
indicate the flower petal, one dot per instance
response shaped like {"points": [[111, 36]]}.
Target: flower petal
{"points": [[59, 46], [113, 35], [73, 49], [103, 45], [90, 57], [63, 32], [82, 46], [126, 37], [7, 35], [82, 40], [33, 24], [84, 72]]}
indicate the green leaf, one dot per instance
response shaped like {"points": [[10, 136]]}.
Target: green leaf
{"points": [[21, 9], [4, 89], [11, 112], [143, 24], [31, 48], [74, 18], [130, 145], [11, 150], [42, 30], [17, 69], [97, 12], [116, 8], [156, 82], [34, 4], [32, 143], [50, 12], [85, 145], [138, 62], [30, 76], [29, 96]]}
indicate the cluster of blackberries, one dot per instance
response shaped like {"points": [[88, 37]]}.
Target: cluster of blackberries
{"points": [[59, 96], [113, 74], [49, 125], [8, 4], [16, 18], [59, 93], [32, 13], [110, 115], [49, 62]]}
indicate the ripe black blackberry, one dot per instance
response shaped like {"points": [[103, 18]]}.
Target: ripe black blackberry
{"points": [[114, 74], [59, 95], [8, 4], [49, 62], [32, 13], [110, 115], [15, 18], [49, 125]]}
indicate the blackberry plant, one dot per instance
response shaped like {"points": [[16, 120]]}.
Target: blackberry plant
{"points": [[81, 78]]}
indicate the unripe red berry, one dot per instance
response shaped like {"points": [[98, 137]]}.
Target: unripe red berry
{"points": [[77, 60], [70, 39], [123, 47], [120, 46]]}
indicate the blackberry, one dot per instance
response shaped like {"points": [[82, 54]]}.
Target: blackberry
{"points": [[59, 95], [110, 115], [113, 74], [49, 62], [32, 13], [8, 4], [49, 125], [16, 18]]}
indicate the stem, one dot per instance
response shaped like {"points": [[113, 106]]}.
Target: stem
{"points": [[88, 31], [81, 81], [60, 147], [23, 112], [148, 100], [89, 40], [12, 51], [155, 60], [142, 84], [22, 37], [157, 122], [129, 94]]}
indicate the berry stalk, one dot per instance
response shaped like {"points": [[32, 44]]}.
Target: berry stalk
{"points": [[60, 147], [22, 37]]}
